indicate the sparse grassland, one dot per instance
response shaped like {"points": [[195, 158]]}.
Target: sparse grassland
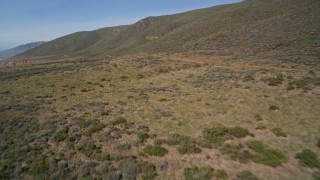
{"points": [[149, 117]]}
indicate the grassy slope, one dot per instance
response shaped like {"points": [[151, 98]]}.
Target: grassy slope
{"points": [[167, 96], [253, 28]]}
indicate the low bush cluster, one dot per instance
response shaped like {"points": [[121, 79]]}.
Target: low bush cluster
{"points": [[220, 174], [94, 127], [88, 147], [123, 146], [119, 120], [275, 81], [258, 117], [247, 175], [162, 99], [305, 83], [264, 155], [143, 136], [60, 136], [248, 78], [188, 148], [198, 173], [273, 108], [220, 133], [155, 150], [231, 150], [308, 158], [186, 144], [256, 152], [279, 132], [131, 168], [90, 126]]}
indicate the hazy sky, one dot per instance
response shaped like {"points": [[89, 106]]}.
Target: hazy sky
{"points": [[24, 21]]}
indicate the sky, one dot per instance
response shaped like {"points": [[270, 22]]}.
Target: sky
{"points": [[25, 21]]}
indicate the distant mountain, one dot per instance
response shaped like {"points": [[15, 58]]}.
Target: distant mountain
{"points": [[287, 30], [19, 49]]}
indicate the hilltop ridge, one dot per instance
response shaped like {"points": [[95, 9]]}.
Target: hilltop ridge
{"points": [[252, 28]]}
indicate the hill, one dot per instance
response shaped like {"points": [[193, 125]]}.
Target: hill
{"points": [[19, 49], [253, 28]]}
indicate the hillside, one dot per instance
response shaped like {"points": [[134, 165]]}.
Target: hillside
{"points": [[19, 49], [276, 29]]}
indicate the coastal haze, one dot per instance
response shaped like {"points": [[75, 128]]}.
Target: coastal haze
{"points": [[19, 49]]}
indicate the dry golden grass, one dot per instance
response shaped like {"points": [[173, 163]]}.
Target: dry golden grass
{"points": [[198, 94]]}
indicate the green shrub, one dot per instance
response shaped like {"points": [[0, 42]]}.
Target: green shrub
{"points": [[130, 168], [198, 173], [257, 146], [84, 123], [290, 87], [119, 120], [305, 83], [123, 78], [248, 78], [279, 132], [217, 134], [162, 99], [84, 90], [176, 139], [95, 127], [105, 113], [159, 141], [140, 76], [308, 158], [117, 134], [187, 148], [143, 128], [104, 156], [203, 143], [220, 133], [221, 34], [117, 157], [163, 70], [258, 117], [172, 141], [60, 136], [261, 127], [264, 155], [123, 146], [239, 132], [162, 165], [318, 144], [231, 150], [273, 108], [39, 167], [275, 81], [88, 147], [271, 157], [148, 170], [246, 175], [155, 150], [220, 174], [4, 92], [143, 136]]}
